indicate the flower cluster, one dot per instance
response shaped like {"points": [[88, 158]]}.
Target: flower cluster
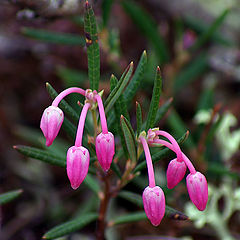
{"points": [[153, 196], [78, 156]]}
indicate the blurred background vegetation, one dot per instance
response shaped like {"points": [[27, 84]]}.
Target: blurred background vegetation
{"points": [[196, 44]]}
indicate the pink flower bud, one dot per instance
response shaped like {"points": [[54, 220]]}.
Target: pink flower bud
{"points": [[154, 204], [198, 190], [51, 123], [77, 165], [105, 149], [175, 172]]}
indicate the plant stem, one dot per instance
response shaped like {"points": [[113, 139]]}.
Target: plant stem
{"points": [[94, 117], [66, 92], [103, 209]]}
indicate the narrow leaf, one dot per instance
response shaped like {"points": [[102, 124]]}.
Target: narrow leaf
{"points": [[175, 214], [139, 118], [147, 25], [211, 30], [128, 218], [162, 111], [106, 10], [9, 196], [137, 199], [93, 52], [129, 138], [134, 83], [54, 37], [117, 91], [116, 169], [78, 19], [131, 197], [117, 114], [191, 72], [42, 155], [70, 129], [178, 127], [71, 77], [157, 90], [220, 170], [120, 105], [159, 155], [71, 226], [91, 183], [200, 27]]}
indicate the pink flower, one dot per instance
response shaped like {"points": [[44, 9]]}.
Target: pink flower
{"points": [[198, 189], [105, 149], [77, 165], [154, 204], [51, 123], [175, 172]]}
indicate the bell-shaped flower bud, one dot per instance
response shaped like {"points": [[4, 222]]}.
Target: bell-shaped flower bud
{"points": [[51, 123], [105, 149], [198, 189], [77, 165], [175, 172], [154, 204]]}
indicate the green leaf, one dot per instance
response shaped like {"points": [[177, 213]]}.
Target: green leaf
{"points": [[137, 200], [163, 110], [117, 91], [71, 77], [128, 218], [131, 197], [9, 196], [91, 183], [117, 114], [93, 52], [120, 105], [200, 27], [139, 118], [211, 30], [69, 128], [78, 19], [63, 104], [178, 127], [134, 83], [116, 169], [220, 170], [42, 155], [147, 25], [159, 155], [175, 214], [71, 226], [106, 10], [129, 138], [191, 72], [54, 37], [157, 90]]}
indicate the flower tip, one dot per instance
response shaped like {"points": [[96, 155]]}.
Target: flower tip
{"points": [[51, 123], [77, 165], [105, 149], [74, 187], [154, 204], [48, 143], [198, 190], [175, 172]]}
